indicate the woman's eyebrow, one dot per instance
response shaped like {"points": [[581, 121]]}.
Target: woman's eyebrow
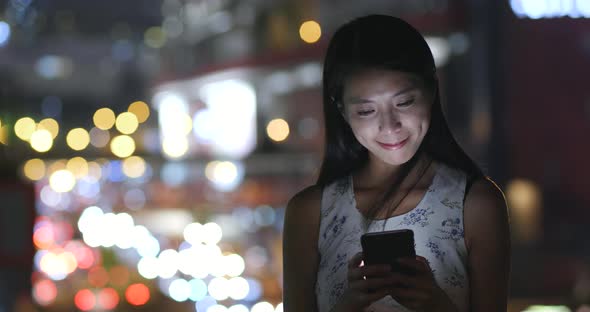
{"points": [[360, 100]]}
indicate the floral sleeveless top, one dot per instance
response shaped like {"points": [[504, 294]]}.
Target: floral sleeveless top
{"points": [[437, 222]]}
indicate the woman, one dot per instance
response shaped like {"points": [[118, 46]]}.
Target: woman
{"points": [[390, 163]]}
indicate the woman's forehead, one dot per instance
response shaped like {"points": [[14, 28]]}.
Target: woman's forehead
{"points": [[377, 81]]}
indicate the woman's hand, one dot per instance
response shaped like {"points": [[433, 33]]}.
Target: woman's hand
{"points": [[419, 291], [366, 284]]}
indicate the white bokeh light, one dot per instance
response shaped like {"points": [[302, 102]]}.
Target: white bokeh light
{"points": [[218, 288], [148, 267], [238, 288], [212, 233], [262, 306], [169, 262], [180, 290]]}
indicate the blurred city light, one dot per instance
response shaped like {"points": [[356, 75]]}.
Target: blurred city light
{"points": [[218, 288], [154, 37], [78, 139], [198, 289], [134, 166], [58, 264], [232, 112], [175, 146], [4, 33], [137, 294], [441, 50], [122, 146], [104, 118], [34, 169], [536, 9], [225, 175], [78, 166], [41, 140], [547, 308], [238, 308], [50, 125], [108, 299], [99, 138], [24, 128], [238, 288], [85, 300], [62, 181], [180, 290], [262, 307], [98, 276], [310, 31], [525, 203], [54, 67], [44, 292], [140, 109], [126, 123], [277, 130]]}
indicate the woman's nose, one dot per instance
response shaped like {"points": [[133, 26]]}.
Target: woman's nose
{"points": [[389, 122]]}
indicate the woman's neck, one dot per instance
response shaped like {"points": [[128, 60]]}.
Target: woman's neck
{"points": [[377, 174]]}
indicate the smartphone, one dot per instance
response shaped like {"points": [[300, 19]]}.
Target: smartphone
{"points": [[387, 246]]}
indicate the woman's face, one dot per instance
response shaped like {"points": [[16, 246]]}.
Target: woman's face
{"points": [[389, 113]]}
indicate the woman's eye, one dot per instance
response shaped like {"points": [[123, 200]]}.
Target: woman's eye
{"points": [[365, 112], [406, 103]]}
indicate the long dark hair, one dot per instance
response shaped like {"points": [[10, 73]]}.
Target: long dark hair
{"points": [[381, 42]]}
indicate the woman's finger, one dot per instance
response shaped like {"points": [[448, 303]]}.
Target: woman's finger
{"points": [[355, 261]]}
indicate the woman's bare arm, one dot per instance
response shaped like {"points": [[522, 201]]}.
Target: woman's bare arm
{"points": [[487, 237], [300, 250]]}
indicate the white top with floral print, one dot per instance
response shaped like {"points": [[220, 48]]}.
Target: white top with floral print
{"points": [[437, 222]]}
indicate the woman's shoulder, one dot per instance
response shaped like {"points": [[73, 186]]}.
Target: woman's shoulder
{"points": [[485, 210], [305, 204]]}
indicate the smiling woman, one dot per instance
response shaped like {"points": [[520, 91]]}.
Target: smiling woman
{"points": [[391, 163]]}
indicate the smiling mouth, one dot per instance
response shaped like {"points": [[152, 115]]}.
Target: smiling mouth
{"points": [[393, 146]]}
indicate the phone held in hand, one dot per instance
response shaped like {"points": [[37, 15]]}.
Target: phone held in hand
{"points": [[387, 246]]}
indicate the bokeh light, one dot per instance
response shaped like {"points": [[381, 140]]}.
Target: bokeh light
{"points": [[78, 166], [104, 118], [238, 288], [137, 294], [62, 181], [134, 166], [154, 37], [41, 140], [44, 292], [24, 128], [34, 169], [78, 139], [99, 138], [218, 288], [126, 123], [85, 300], [262, 306], [140, 109], [123, 146], [98, 277], [310, 31], [50, 125], [108, 299], [180, 290], [277, 130], [175, 146]]}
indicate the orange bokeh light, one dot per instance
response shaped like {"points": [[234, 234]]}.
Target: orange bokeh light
{"points": [[137, 294], [119, 275], [44, 237], [98, 277], [85, 300], [108, 299]]}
